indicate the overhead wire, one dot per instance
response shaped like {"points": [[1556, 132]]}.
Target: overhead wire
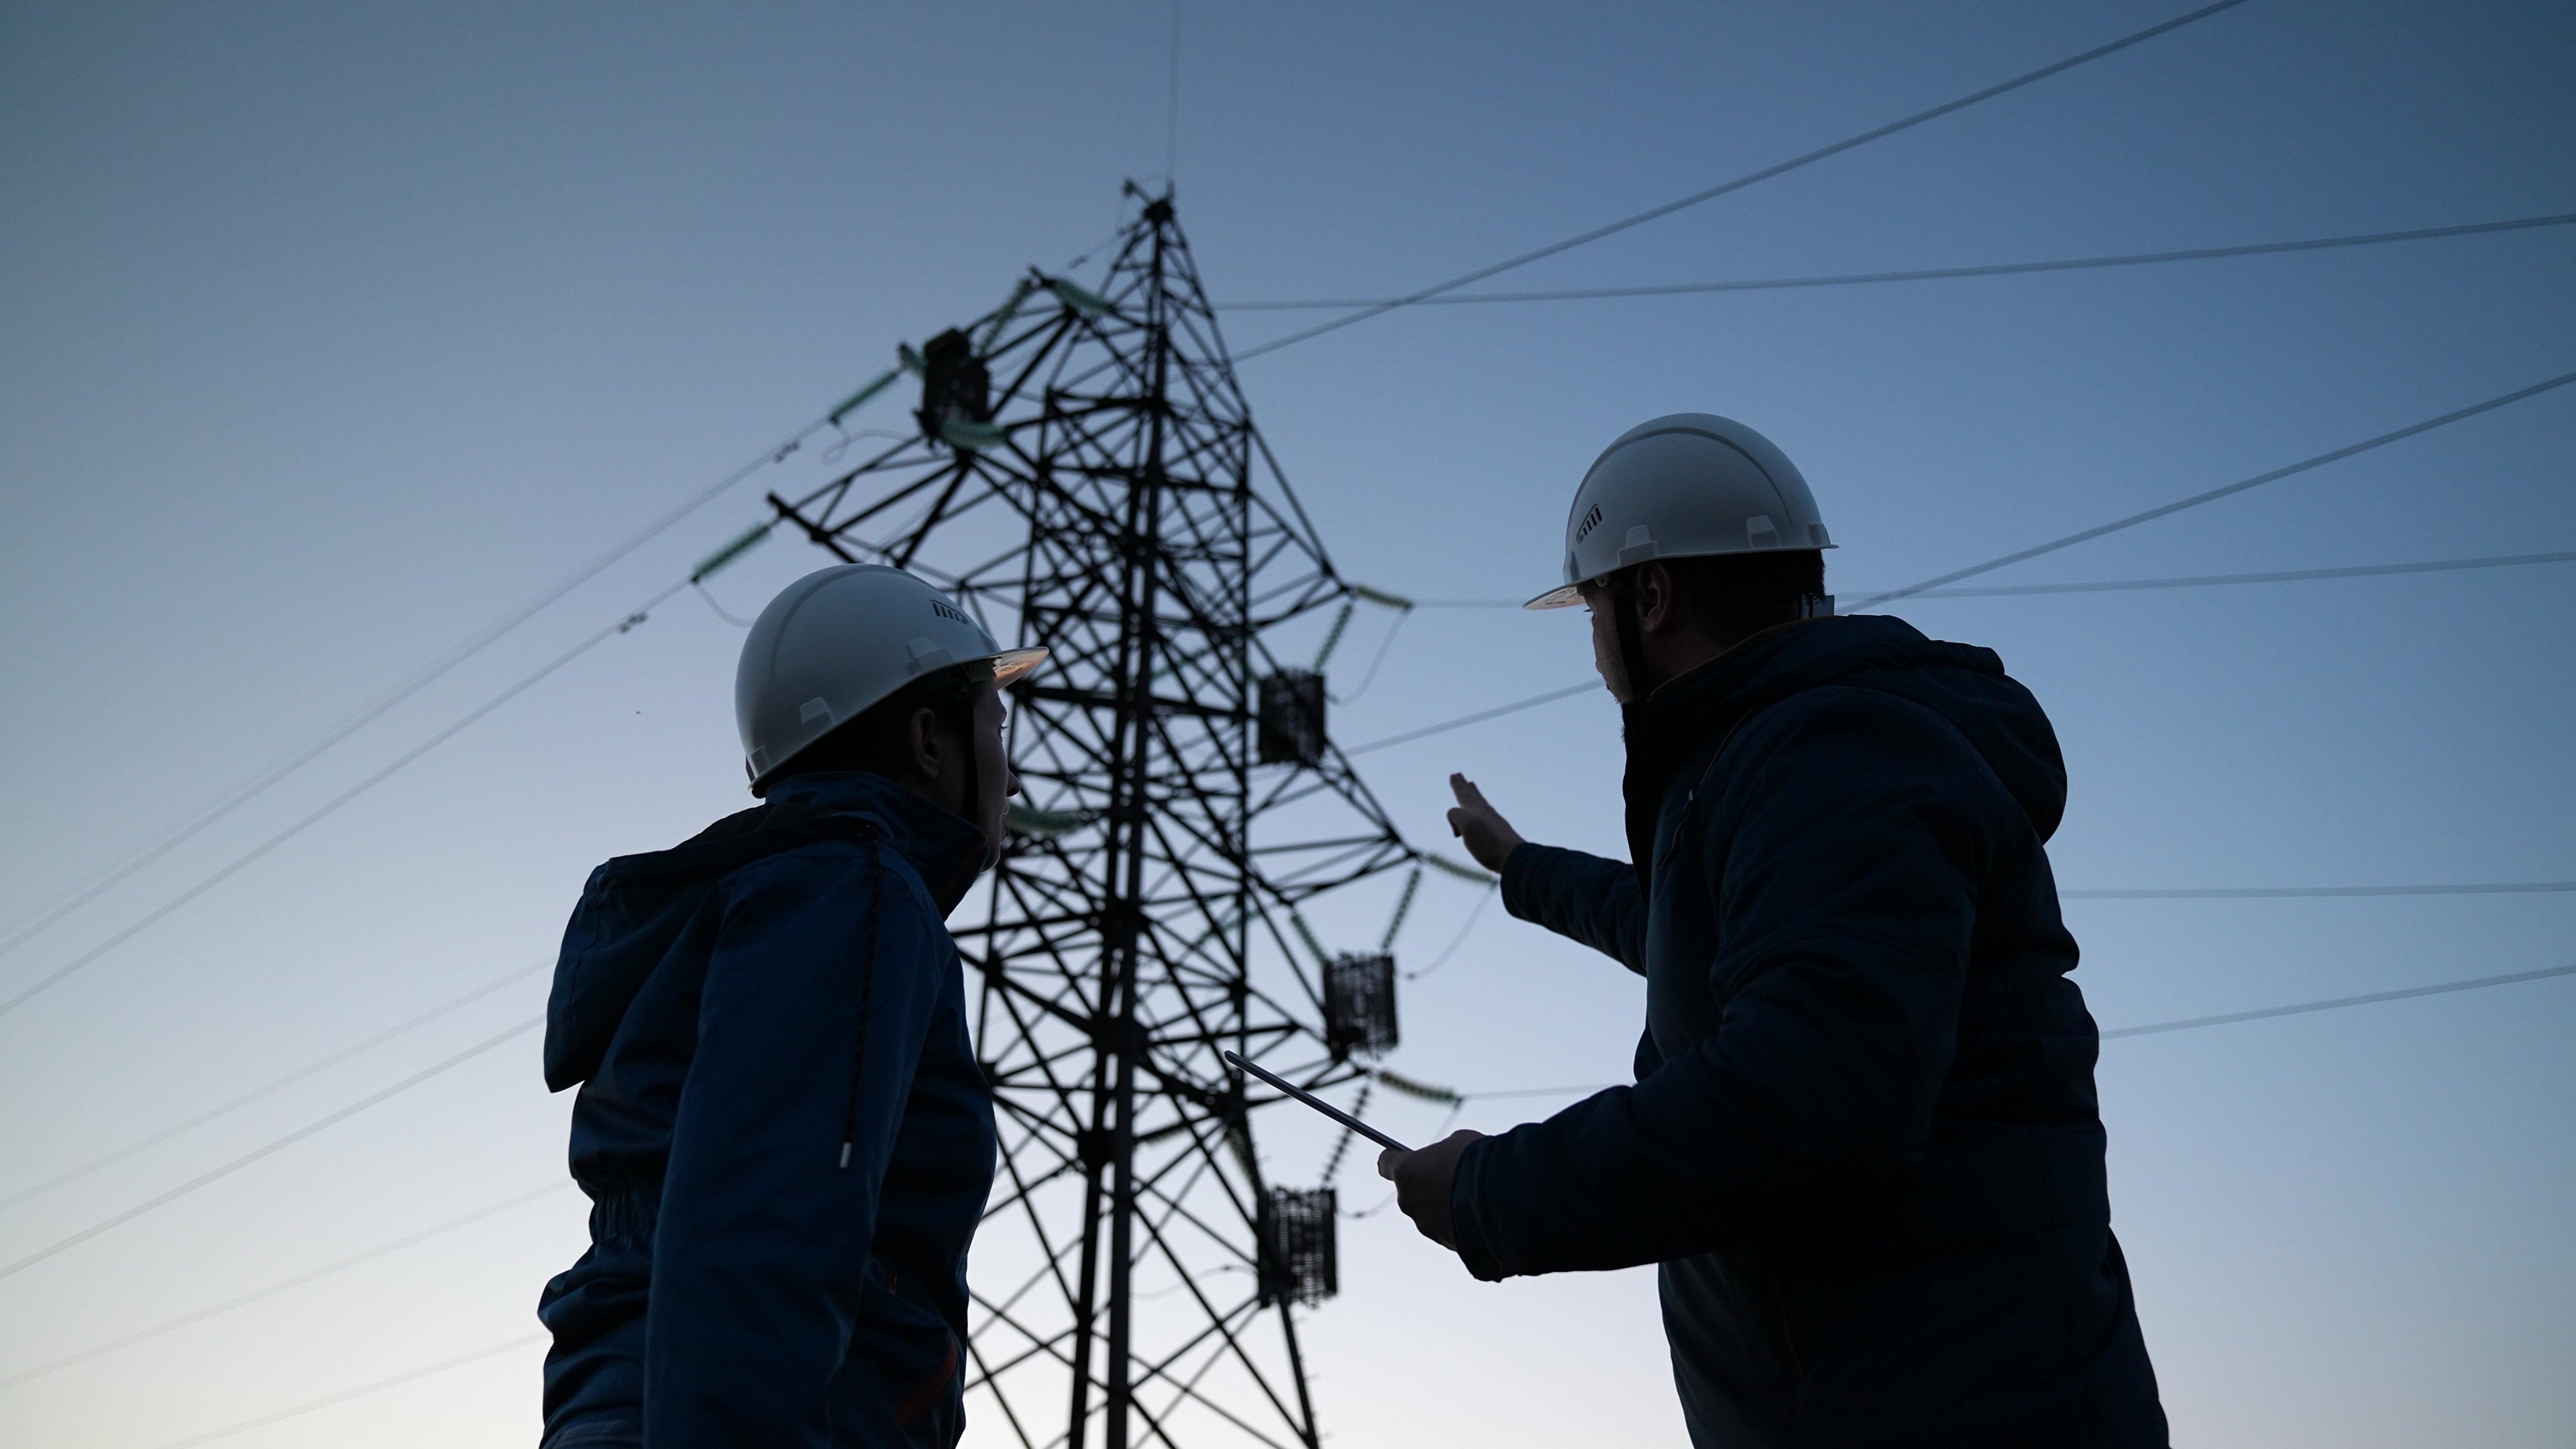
{"points": [[2186, 581], [311, 1275], [1483, 899], [2116, 525], [2041, 589], [1377, 661], [1438, 1094], [2277, 576], [2335, 1003], [2408, 993], [326, 1401], [2255, 893], [188, 827], [1750, 178], [272, 1147], [1932, 274], [1478, 717], [273, 1086], [2225, 491], [243, 861]]}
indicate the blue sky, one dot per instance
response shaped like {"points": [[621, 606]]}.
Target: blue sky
{"points": [[326, 335]]}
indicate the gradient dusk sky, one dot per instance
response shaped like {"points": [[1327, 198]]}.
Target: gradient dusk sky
{"points": [[328, 333]]}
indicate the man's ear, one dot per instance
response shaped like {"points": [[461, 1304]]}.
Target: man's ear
{"points": [[924, 750], [1657, 608]]}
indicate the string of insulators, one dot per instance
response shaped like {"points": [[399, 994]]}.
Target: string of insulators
{"points": [[1306, 934], [968, 436], [1087, 303], [743, 543], [1333, 636], [1333, 1164], [1002, 316], [1403, 904], [859, 399], [1445, 1096], [1469, 873], [1022, 819], [1381, 597]]}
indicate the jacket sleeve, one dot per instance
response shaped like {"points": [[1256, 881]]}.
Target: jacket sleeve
{"points": [[1581, 897], [1844, 899], [761, 1251]]}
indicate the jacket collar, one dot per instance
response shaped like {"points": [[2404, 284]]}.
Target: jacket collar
{"points": [[1666, 727], [944, 849], [1697, 710]]}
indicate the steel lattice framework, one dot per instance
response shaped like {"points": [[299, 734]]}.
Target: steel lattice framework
{"points": [[1086, 477]]}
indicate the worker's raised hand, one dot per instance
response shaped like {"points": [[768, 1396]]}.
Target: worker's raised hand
{"points": [[1422, 1181], [1488, 835]]}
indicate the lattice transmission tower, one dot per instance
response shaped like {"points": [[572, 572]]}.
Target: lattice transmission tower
{"points": [[1084, 475]]}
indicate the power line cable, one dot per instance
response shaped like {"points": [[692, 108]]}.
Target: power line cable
{"points": [[244, 860], [2281, 576], [2366, 999], [254, 1094], [1483, 900], [380, 1385], [1172, 107], [2258, 893], [2228, 490], [1739, 183], [278, 1145], [489, 1210], [2188, 581], [188, 827], [1479, 717], [1927, 274], [2188, 1024], [1443, 1094]]}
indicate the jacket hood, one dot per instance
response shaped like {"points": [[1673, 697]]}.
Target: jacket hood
{"points": [[635, 908], [1964, 683]]}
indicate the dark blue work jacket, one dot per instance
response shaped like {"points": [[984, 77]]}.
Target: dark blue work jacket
{"points": [[1863, 1143], [782, 1128]]}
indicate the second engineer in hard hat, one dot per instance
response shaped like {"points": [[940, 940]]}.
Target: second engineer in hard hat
{"points": [[1863, 1144], [782, 1128]]}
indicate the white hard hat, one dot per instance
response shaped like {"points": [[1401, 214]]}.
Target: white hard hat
{"points": [[1686, 485], [839, 640]]}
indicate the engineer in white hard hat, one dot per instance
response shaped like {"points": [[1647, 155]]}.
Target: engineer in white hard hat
{"points": [[782, 1128], [1863, 1144]]}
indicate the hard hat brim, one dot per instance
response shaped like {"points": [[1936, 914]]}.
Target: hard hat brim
{"points": [[1564, 596], [1013, 665]]}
